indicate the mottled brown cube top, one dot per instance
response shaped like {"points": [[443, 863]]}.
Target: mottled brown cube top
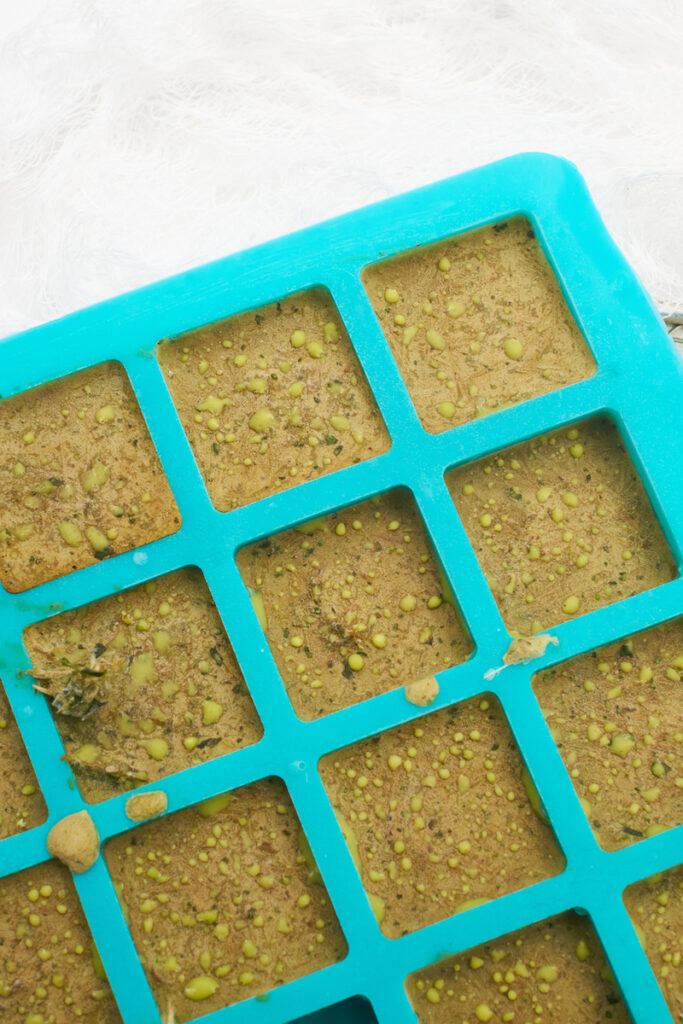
{"points": [[553, 971], [142, 684], [617, 718], [224, 900], [49, 966], [354, 604], [440, 815], [561, 525], [80, 479], [21, 802], [656, 908], [477, 323], [272, 398]]}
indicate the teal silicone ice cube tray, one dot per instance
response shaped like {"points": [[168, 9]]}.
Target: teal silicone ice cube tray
{"points": [[639, 383]]}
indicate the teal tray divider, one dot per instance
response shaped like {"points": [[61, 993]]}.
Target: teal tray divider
{"points": [[639, 383]]}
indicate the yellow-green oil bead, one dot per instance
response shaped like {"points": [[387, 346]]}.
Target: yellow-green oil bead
{"points": [[105, 414], [214, 805], [435, 340], [201, 988], [262, 420], [156, 748], [211, 712], [621, 744], [97, 540], [513, 348], [70, 534], [87, 753]]}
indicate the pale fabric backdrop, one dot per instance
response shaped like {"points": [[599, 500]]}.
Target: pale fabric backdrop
{"points": [[142, 137]]}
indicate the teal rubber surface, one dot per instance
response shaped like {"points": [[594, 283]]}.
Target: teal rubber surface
{"points": [[639, 383]]}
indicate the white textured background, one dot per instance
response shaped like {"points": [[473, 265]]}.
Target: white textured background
{"points": [[141, 137]]}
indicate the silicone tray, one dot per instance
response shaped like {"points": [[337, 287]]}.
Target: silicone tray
{"points": [[639, 381]]}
